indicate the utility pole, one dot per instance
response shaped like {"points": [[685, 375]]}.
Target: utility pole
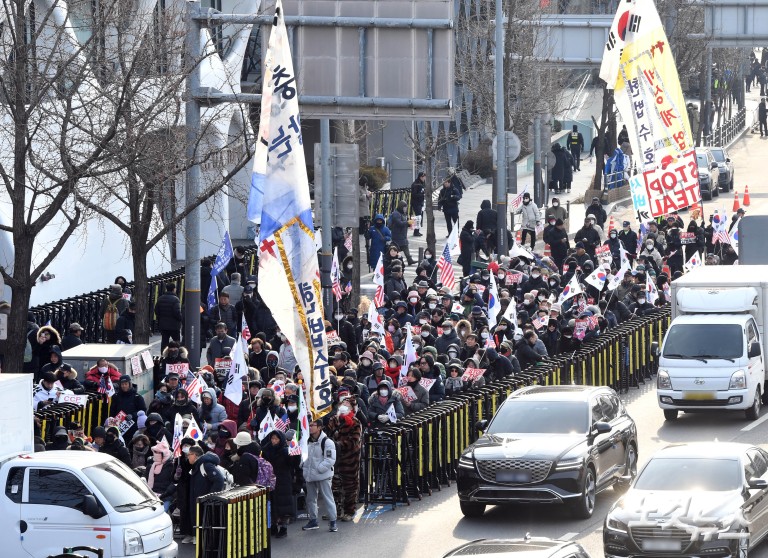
{"points": [[326, 216], [192, 221], [500, 192]]}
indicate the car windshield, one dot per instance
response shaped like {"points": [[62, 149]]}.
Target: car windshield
{"points": [[695, 341], [701, 160], [718, 154], [522, 416], [689, 474], [120, 486]]}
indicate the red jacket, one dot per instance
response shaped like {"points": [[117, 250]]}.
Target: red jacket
{"points": [[93, 375]]}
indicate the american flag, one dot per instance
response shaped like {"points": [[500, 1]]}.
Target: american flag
{"points": [[517, 201], [719, 227], [193, 387], [280, 424], [445, 267], [335, 279], [105, 386]]}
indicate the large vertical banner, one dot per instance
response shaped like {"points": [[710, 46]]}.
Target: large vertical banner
{"points": [[638, 65], [289, 277]]}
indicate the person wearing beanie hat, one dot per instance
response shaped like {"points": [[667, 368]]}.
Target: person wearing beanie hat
{"points": [[60, 439], [139, 448], [141, 420], [127, 400], [380, 401], [453, 383], [98, 435]]}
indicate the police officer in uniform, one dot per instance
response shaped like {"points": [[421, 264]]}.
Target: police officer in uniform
{"points": [[576, 145]]}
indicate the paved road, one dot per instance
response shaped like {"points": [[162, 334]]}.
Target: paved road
{"points": [[435, 525]]}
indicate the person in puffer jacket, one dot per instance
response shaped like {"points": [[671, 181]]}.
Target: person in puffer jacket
{"points": [[160, 471], [211, 412], [318, 474]]}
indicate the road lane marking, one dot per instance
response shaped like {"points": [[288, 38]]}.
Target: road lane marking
{"points": [[755, 424], [568, 536]]}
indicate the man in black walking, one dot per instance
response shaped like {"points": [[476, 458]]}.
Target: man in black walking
{"points": [[762, 116], [168, 313], [576, 145]]}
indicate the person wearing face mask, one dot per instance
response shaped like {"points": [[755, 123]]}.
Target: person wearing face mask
{"points": [[212, 413], [380, 401], [413, 303], [531, 217], [642, 306], [568, 343], [114, 446], [413, 379], [400, 318], [428, 263], [556, 211], [650, 250], [448, 337], [159, 473], [272, 367], [390, 373], [534, 282], [426, 337], [588, 237], [346, 431], [430, 370], [172, 354], [225, 432], [379, 236], [628, 238], [268, 402], [257, 355], [546, 236], [217, 345], [346, 332], [182, 406], [102, 369], [155, 429], [615, 246], [139, 448], [396, 283], [181, 477]]}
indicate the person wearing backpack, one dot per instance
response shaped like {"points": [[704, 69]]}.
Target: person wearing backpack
{"points": [[318, 474], [205, 478], [275, 452], [111, 307]]}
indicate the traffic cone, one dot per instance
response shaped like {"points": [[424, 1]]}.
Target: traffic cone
{"points": [[665, 270], [519, 235], [611, 224], [745, 201], [736, 202]]}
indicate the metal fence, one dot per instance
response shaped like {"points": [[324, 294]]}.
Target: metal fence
{"points": [[385, 201], [85, 309], [727, 132], [419, 453]]}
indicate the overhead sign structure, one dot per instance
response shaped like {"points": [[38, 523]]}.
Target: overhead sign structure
{"points": [[638, 65], [367, 59], [736, 23], [575, 41]]}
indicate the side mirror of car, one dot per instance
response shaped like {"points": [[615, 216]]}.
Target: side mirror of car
{"points": [[713, 166], [601, 428], [727, 160], [481, 425], [655, 351], [754, 350], [91, 507], [757, 484]]}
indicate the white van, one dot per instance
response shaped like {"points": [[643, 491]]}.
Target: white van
{"points": [[59, 499]]}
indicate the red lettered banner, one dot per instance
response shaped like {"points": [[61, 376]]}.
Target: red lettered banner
{"points": [[674, 186], [472, 374]]}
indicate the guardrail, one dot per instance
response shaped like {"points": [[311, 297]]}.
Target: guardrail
{"points": [[85, 308], [385, 201], [233, 524], [419, 453], [727, 132]]}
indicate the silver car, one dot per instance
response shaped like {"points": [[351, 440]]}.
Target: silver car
{"points": [[725, 165]]}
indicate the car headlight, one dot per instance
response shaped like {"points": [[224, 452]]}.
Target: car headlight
{"points": [[704, 176], [662, 380], [466, 461], [132, 543], [738, 380], [569, 464], [614, 524]]}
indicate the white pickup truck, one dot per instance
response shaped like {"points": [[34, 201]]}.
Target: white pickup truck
{"points": [[713, 354], [59, 499]]}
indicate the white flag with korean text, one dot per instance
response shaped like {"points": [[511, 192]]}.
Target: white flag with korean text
{"points": [[288, 267]]}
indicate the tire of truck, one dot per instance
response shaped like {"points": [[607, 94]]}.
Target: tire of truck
{"points": [[753, 413], [670, 414]]}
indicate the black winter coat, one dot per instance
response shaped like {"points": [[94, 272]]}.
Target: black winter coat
{"points": [[129, 402], [117, 450], [486, 217], [163, 483], [201, 484], [168, 312], [284, 467]]}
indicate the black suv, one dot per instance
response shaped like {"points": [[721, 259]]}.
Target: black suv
{"points": [[528, 547], [550, 445]]}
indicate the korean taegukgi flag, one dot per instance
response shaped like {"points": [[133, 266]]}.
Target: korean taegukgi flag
{"points": [[288, 268]]}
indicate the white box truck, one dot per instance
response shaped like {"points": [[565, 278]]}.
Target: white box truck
{"points": [[712, 356], [59, 499]]}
